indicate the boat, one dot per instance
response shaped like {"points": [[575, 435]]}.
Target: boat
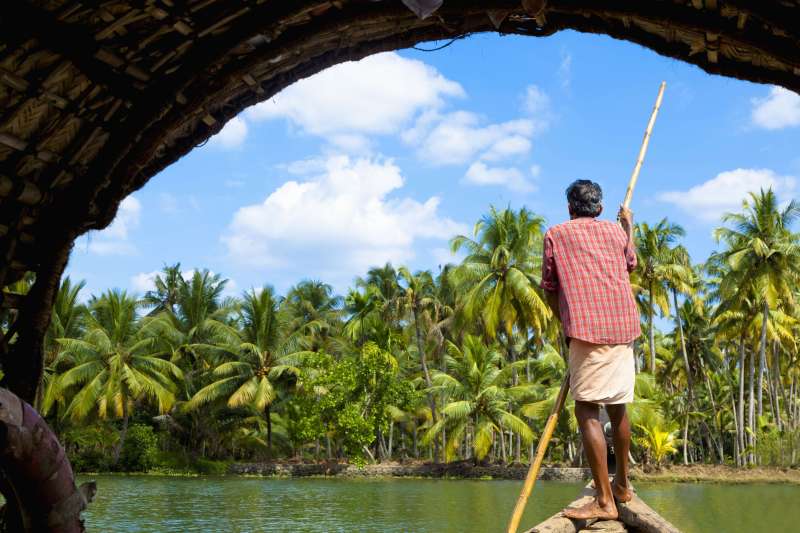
{"points": [[635, 516]]}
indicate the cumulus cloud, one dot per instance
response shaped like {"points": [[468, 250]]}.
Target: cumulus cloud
{"points": [[342, 220], [458, 137], [725, 192], [377, 95], [480, 174], [232, 135], [114, 240], [779, 109]]}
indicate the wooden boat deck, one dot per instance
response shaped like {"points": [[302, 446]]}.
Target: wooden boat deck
{"points": [[634, 517]]}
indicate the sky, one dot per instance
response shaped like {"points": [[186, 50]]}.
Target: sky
{"points": [[386, 159]]}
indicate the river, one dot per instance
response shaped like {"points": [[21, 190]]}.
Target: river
{"points": [[238, 504]]}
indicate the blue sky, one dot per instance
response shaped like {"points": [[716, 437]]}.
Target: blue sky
{"points": [[385, 159]]}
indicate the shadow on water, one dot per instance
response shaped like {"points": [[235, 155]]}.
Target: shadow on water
{"points": [[149, 503]]}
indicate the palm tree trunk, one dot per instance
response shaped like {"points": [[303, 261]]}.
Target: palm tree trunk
{"points": [[652, 333], [762, 351], [776, 372], [123, 432], [267, 414], [736, 441], [740, 430], [427, 374], [751, 422], [686, 439]]}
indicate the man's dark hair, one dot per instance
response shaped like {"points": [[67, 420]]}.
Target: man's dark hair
{"points": [[585, 198]]}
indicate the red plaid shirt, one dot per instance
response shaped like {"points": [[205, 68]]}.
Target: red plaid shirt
{"points": [[588, 261]]}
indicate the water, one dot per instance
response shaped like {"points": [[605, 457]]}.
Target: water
{"points": [[233, 504]]}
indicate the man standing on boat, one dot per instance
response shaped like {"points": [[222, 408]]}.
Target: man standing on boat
{"points": [[585, 275]]}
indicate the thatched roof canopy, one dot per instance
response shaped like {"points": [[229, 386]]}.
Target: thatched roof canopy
{"points": [[97, 97]]}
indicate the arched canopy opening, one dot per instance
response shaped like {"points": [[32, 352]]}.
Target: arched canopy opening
{"points": [[96, 99]]}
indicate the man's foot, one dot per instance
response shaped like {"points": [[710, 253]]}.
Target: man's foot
{"points": [[621, 494], [592, 510]]}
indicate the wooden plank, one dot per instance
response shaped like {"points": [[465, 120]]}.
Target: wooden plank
{"points": [[558, 523], [636, 515]]}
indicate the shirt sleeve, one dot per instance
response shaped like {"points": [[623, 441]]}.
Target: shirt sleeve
{"points": [[549, 274]]}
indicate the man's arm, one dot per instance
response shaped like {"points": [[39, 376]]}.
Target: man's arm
{"points": [[625, 218], [552, 300], [549, 275]]}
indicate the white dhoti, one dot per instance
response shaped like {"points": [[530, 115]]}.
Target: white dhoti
{"points": [[601, 373]]}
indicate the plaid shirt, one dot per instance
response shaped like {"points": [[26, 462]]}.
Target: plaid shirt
{"points": [[588, 261]]}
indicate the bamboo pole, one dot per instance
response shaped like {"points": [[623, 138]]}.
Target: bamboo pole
{"points": [[533, 471], [550, 425], [643, 150]]}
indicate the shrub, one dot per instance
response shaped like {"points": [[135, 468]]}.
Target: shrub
{"points": [[140, 449]]}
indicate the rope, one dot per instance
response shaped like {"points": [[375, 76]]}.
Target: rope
{"points": [[445, 45]]}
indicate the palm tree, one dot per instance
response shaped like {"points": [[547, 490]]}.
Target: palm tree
{"points": [[479, 395], [113, 365], [166, 294], [249, 376], [312, 310], [763, 253], [66, 321], [498, 276], [659, 266]]}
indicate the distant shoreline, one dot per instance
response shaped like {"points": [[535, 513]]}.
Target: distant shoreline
{"points": [[466, 470]]}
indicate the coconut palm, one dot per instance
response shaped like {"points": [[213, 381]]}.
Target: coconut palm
{"points": [[66, 321], [166, 292], [763, 254], [249, 376], [659, 266], [498, 276], [113, 366], [479, 392], [311, 310]]}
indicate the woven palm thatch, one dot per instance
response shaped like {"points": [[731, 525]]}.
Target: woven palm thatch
{"points": [[97, 97]]}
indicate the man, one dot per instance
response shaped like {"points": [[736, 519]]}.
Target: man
{"points": [[585, 275]]}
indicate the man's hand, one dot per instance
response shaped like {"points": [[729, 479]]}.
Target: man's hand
{"points": [[625, 217]]}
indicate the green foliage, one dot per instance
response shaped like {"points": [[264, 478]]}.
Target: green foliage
{"points": [[467, 362], [139, 453]]}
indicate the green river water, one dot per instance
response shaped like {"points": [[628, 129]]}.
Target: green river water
{"points": [[236, 504]]}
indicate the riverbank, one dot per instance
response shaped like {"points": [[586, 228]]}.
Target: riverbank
{"points": [[719, 474], [467, 470]]}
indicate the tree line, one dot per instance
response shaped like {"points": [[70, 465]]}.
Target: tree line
{"points": [[461, 363]]}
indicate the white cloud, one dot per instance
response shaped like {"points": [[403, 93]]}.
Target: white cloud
{"points": [[377, 95], [536, 100], [565, 70], [114, 239], [144, 281], [725, 192], [780, 109], [232, 135], [458, 137], [480, 174], [341, 221]]}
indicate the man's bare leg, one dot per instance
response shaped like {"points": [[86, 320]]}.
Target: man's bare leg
{"points": [[621, 429], [603, 506]]}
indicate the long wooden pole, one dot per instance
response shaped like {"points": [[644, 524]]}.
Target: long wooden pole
{"points": [[533, 471], [550, 425], [643, 150]]}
